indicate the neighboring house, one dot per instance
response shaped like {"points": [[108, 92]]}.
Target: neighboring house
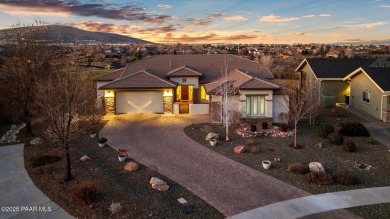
{"points": [[327, 76], [185, 84], [370, 91]]}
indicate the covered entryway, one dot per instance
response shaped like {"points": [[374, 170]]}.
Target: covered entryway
{"points": [[139, 102]]}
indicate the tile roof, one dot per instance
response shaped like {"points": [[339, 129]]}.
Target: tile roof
{"points": [[210, 66], [335, 68], [184, 71], [111, 76], [258, 84], [141, 80], [380, 75], [240, 80]]}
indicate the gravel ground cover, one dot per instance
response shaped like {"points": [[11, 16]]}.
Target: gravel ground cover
{"points": [[104, 170], [331, 156]]}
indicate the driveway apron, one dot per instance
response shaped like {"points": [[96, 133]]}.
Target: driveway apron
{"points": [[159, 142]]}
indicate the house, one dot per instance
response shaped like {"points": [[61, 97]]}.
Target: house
{"points": [[328, 77], [370, 91], [186, 84]]}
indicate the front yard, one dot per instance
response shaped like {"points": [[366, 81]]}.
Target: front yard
{"points": [[331, 156], [113, 184]]}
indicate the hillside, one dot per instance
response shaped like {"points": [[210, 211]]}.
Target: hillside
{"points": [[70, 34]]}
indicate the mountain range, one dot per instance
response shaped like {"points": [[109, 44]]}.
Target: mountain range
{"points": [[68, 34]]}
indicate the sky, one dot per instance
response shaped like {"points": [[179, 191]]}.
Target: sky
{"points": [[213, 21]]}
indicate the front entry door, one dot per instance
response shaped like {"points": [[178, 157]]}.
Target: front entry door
{"points": [[184, 93]]}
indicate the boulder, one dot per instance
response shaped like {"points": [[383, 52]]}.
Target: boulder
{"points": [[131, 167], [319, 145], [36, 141], [158, 184], [239, 149], [316, 167], [212, 135], [85, 158]]}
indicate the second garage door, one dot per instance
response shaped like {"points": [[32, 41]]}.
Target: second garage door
{"points": [[139, 102]]}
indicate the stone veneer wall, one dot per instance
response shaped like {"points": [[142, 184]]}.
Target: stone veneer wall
{"points": [[109, 104], [386, 116], [168, 104], [215, 111], [196, 95]]}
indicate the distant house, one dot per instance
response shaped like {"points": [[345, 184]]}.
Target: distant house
{"points": [[187, 84], [328, 75], [370, 91]]}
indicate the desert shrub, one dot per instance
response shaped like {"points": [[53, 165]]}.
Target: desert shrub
{"points": [[254, 150], [335, 138], [345, 178], [349, 146], [352, 128], [115, 208], [85, 192], [102, 140], [324, 129], [249, 142], [44, 160], [283, 128], [319, 178], [372, 140], [253, 128], [297, 168], [264, 125]]}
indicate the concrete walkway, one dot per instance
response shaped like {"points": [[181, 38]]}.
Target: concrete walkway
{"points": [[19, 198], [300, 207], [160, 143], [378, 129]]}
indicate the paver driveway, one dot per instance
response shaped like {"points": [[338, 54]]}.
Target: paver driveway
{"points": [[159, 142]]}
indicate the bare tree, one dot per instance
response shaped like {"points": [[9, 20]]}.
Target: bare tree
{"points": [[27, 59], [267, 61], [349, 52], [226, 91], [302, 102], [65, 105]]}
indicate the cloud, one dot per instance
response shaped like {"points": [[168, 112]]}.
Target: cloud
{"points": [[198, 21], [352, 40], [325, 15], [215, 15], [371, 25], [163, 6], [339, 34], [235, 18], [297, 34], [384, 6], [275, 18], [208, 37], [129, 12], [308, 16], [121, 29]]}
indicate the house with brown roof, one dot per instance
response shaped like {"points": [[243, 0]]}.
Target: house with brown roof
{"points": [[370, 91], [188, 84]]}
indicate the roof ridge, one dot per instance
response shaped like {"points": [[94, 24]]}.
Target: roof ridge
{"points": [[184, 67], [111, 73]]}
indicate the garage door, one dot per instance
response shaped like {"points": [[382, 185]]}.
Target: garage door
{"points": [[139, 102]]}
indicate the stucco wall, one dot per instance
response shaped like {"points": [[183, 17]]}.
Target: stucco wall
{"points": [[362, 83], [336, 89], [279, 106], [188, 81], [100, 93], [268, 101]]}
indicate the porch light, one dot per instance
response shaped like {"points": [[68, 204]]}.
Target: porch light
{"points": [[108, 93], [167, 93]]}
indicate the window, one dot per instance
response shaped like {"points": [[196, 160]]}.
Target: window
{"points": [[366, 96], [255, 105], [203, 94]]}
